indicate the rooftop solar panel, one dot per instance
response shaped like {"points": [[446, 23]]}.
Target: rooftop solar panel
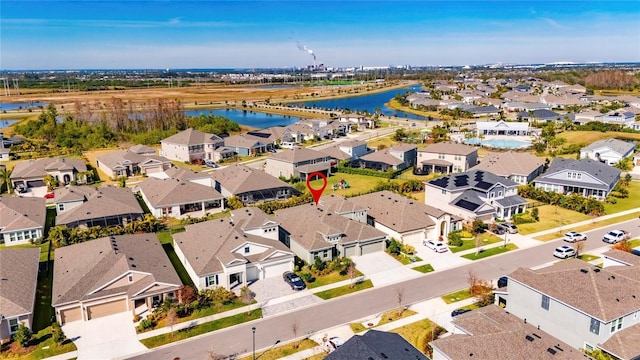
{"points": [[484, 185], [468, 205]]}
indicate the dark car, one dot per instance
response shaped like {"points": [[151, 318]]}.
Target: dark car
{"points": [[457, 312], [499, 230], [510, 228], [293, 280]]}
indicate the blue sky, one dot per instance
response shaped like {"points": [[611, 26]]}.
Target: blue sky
{"points": [[241, 34]]}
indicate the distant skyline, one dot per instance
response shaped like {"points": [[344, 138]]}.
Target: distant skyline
{"points": [[241, 34]]}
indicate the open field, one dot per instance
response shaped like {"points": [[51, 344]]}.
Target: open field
{"points": [[552, 216], [587, 137]]}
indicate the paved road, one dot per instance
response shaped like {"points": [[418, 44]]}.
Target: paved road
{"points": [[238, 340]]}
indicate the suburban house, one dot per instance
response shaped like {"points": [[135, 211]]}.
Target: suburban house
{"points": [[250, 185], [19, 274], [21, 219], [540, 116], [502, 128], [585, 177], [87, 206], [298, 163], [312, 232], [111, 275], [376, 345], [355, 122], [190, 145], [492, 333], [609, 151], [232, 252], [179, 198], [398, 157], [247, 144], [403, 218], [475, 194], [625, 118], [5, 154], [519, 167], [30, 173], [346, 150], [128, 162], [272, 134], [601, 304], [447, 158]]}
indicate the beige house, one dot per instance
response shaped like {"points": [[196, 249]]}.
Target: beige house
{"points": [[190, 145], [298, 163], [446, 158], [110, 275], [233, 252], [128, 162], [19, 279], [250, 185], [519, 167], [21, 219], [179, 198], [30, 173]]}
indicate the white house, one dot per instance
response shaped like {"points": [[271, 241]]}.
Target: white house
{"points": [[609, 151]]}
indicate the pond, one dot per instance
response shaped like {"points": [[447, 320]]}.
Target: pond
{"points": [[18, 106], [254, 119], [7, 122]]}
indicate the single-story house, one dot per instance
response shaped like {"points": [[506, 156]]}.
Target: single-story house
{"points": [[502, 128], [298, 162], [247, 144], [519, 167], [375, 345], [540, 116], [127, 163], [250, 185], [398, 157], [609, 151], [179, 198], [110, 275], [232, 252], [19, 279], [5, 154], [21, 219], [585, 177], [30, 173], [625, 118]]}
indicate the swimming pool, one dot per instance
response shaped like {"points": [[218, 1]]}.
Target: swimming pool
{"points": [[499, 143]]}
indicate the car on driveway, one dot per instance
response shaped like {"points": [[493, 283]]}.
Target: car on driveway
{"points": [[573, 236], [210, 164], [436, 246], [615, 236], [564, 252], [499, 229], [293, 280], [510, 228], [457, 312], [49, 195]]}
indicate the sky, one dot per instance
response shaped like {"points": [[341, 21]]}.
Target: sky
{"points": [[91, 34]]}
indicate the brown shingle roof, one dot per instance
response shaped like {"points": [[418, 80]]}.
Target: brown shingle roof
{"points": [[382, 156], [449, 148], [624, 256], [245, 141], [192, 137], [604, 294], [17, 213], [84, 268], [397, 212], [105, 201], [298, 154], [624, 344], [239, 179], [509, 163], [39, 167], [120, 157], [18, 280], [170, 192]]}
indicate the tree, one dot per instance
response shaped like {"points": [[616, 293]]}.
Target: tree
{"points": [[579, 246], [480, 289], [535, 214], [172, 317], [247, 296], [478, 241], [51, 182], [186, 295], [234, 203], [399, 298], [57, 334], [5, 175], [22, 335], [352, 273], [294, 330]]}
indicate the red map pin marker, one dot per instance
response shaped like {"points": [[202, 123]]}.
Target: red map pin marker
{"points": [[316, 192]]}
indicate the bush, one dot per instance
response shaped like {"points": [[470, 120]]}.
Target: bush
{"points": [[23, 335], [394, 247], [455, 238], [307, 277], [146, 324], [535, 214], [524, 218], [57, 334], [369, 172]]}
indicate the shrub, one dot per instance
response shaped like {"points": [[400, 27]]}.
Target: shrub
{"points": [[535, 214], [57, 334], [22, 335], [146, 324], [307, 277], [523, 218], [394, 247], [454, 238]]}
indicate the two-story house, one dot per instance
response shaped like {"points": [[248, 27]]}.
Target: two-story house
{"points": [[347, 150], [190, 145], [475, 194], [298, 163], [609, 151], [447, 158], [519, 167], [585, 177], [398, 157]]}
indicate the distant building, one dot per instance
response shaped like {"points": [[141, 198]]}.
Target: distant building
{"points": [[609, 151]]}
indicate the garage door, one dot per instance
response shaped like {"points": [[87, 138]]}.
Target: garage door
{"points": [[35, 183], [105, 309], [350, 251], [274, 270], [253, 273], [70, 315], [371, 248], [153, 170]]}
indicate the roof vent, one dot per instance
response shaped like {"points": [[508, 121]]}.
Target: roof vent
{"points": [[584, 271], [558, 347], [596, 270], [130, 258], [529, 338], [613, 277], [133, 265], [536, 335], [551, 351]]}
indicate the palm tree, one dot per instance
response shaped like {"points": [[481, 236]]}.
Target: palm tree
{"points": [[5, 175]]}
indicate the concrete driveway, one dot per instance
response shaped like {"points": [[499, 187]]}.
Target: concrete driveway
{"points": [[270, 288], [381, 268], [108, 337]]}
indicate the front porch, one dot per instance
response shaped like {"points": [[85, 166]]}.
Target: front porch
{"points": [[586, 192], [436, 166]]}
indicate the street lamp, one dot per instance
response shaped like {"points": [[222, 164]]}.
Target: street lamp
{"points": [[253, 329]]}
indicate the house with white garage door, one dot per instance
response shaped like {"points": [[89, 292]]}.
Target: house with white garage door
{"points": [[231, 252], [111, 275], [30, 173]]}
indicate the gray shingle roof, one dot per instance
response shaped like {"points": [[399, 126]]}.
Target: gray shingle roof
{"points": [[605, 173], [105, 201], [120, 157], [19, 277], [376, 345], [382, 156], [299, 154], [619, 146], [170, 192], [17, 213], [624, 344], [472, 179], [511, 201], [240, 179], [509, 163], [449, 148], [245, 141], [192, 137], [39, 167], [83, 268]]}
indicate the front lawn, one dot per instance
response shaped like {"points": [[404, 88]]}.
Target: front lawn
{"points": [[344, 290], [487, 238], [420, 333], [490, 252], [206, 311], [201, 329], [627, 203], [588, 257], [457, 296], [405, 259], [552, 216], [426, 268], [385, 318], [284, 350], [592, 225], [330, 278], [40, 347]]}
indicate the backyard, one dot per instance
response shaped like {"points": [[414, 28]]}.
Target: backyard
{"points": [[420, 333], [357, 183]]}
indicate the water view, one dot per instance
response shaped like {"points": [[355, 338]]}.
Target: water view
{"points": [[254, 119], [499, 143], [368, 103], [7, 123], [18, 106]]}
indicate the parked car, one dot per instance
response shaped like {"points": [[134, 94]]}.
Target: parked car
{"points": [[499, 230], [293, 280], [457, 312], [564, 252], [21, 189], [573, 236], [336, 342], [210, 164], [510, 228], [49, 195], [615, 236], [436, 246]]}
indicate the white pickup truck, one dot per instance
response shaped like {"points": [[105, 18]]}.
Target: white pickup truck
{"points": [[615, 236]]}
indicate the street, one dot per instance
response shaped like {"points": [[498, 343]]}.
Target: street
{"points": [[238, 339]]}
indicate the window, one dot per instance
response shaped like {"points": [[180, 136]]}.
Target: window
{"points": [[60, 207], [616, 325], [545, 302], [13, 325], [211, 280], [457, 157], [247, 249], [325, 253], [499, 193], [444, 192], [441, 156], [595, 326]]}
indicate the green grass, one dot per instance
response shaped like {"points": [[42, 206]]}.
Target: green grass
{"points": [[142, 204], [50, 221], [41, 340], [588, 257], [490, 252], [357, 183], [344, 290], [200, 313], [385, 318], [592, 225], [471, 307], [406, 259], [173, 257], [634, 243], [420, 333], [43, 312], [456, 296], [164, 237], [284, 350], [630, 202], [426, 268], [552, 216], [330, 278], [487, 238], [201, 329], [44, 249]]}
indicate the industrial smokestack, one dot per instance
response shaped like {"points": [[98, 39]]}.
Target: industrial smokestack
{"points": [[308, 51]]}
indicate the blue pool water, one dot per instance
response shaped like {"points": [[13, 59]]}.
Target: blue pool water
{"points": [[254, 119], [499, 143]]}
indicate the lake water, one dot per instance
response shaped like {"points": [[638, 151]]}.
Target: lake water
{"points": [[368, 103], [254, 119], [7, 122], [16, 106]]}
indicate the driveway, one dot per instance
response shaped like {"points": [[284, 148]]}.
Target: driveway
{"points": [[381, 268], [108, 337], [270, 288]]}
